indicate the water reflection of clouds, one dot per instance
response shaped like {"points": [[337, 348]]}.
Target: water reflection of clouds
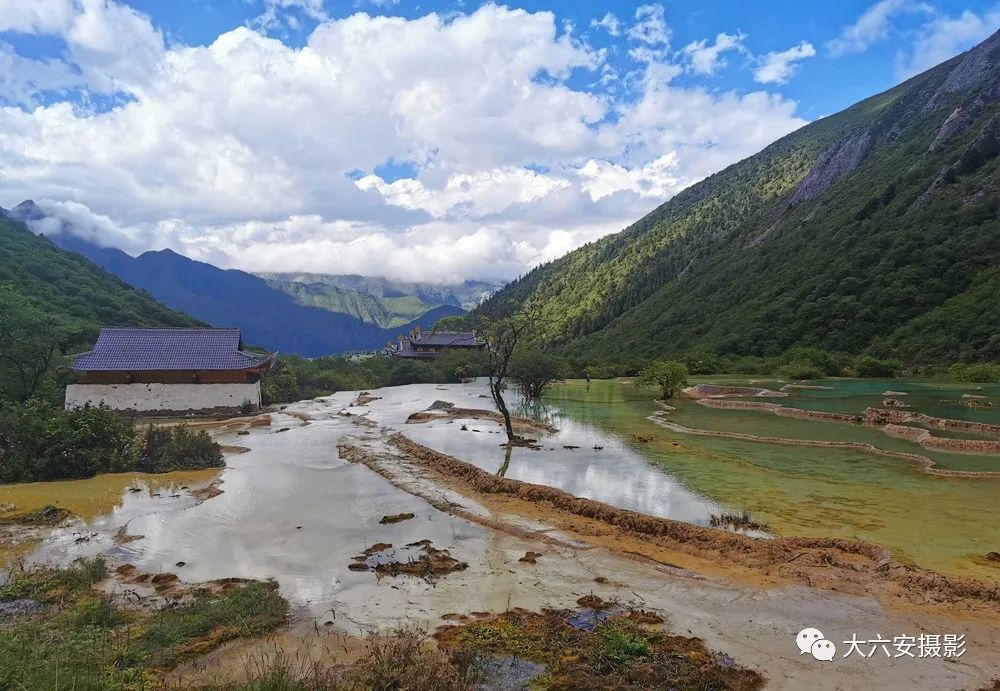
{"points": [[293, 510]]}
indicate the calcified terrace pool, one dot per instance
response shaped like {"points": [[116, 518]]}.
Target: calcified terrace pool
{"points": [[293, 510]]}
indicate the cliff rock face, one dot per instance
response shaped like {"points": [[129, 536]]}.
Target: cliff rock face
{"points": [[875, 229], [840, 159]]}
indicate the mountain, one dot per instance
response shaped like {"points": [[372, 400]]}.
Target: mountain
{"points": [[875, 229], [381, 301], [70, 288], [267, 317]]}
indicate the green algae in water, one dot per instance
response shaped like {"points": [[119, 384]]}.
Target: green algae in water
{"points": [[942, 523]]}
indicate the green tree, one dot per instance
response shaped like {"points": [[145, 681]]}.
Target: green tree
{"points": [[280, 385], [870, 366], [31, 343], [455, 322], [667, 374], [533, 370]]}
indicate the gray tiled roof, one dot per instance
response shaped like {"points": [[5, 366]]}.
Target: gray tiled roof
{"points": [[449, 338], [120, 350]]}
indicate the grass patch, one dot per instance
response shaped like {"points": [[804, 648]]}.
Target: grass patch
{"points": [[626, 651], [45, 516], [405, 659], [737, 521], [88, 642]]}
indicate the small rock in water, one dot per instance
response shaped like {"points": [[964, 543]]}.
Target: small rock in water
{"points": [[396, 518], [181, 563]]}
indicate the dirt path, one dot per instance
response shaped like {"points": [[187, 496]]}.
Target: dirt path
{"points": [[739, 602]]}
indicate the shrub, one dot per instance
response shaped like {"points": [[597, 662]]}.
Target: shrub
{"points": [[178, 448], [800, 370], [870, 366], [41, 441], [982, 372]]}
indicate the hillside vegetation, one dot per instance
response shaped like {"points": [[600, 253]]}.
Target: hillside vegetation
{"points": [[381, 311], [875, 230], [67, 287]]}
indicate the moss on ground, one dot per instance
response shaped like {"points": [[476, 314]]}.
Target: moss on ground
{"points": [[87, 641]]}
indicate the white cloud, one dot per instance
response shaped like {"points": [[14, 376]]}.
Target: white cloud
{"points": [[113, 46], [944, 37], [36, 16], [245, 152], [778, 67], [872, 26], [706, 58], [278, 12], [650, 26], [609, 23], [21, 78]]}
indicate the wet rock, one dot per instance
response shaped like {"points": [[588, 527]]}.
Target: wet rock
{"points": [[396, 518], [243, 433], [122, 537], [993, 557], [22, 606], [162, 578], [441, 405], [588, 619], [507, 672], [894, 403], [180, 564], [417, 558], [530, 557]]}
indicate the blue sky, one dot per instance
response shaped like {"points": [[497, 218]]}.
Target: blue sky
{"points": [[438, 139]]}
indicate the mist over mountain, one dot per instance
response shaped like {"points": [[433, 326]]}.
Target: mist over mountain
{"points": [[268, 316]]}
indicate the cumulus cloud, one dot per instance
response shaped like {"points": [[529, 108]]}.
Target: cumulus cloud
{"points": [[778, 67], [943, 37], [706, 58], [251, 153], [870, 27], [609, 23], [650, 26], [280, 12]]}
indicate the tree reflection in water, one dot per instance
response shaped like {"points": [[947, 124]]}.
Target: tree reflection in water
{"points": [[506, 461]]}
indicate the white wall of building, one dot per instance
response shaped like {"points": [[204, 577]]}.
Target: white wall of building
{"points": [[162, 397]]}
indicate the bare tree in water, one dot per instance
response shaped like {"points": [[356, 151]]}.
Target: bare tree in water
{"points": [[503, 336]]}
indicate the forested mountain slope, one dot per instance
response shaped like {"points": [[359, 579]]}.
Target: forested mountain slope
{"points": [[70, 289], [875, 229]]}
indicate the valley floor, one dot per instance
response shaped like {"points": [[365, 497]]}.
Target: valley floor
{"points": [[319, 520]]}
